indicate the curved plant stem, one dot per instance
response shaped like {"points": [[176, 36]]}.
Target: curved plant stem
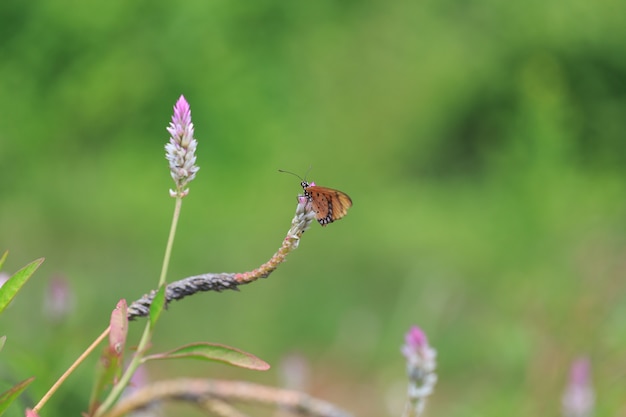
{"points": [[200, 391]]}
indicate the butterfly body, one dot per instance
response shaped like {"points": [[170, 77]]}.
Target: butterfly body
{"points": [[327, 203]]}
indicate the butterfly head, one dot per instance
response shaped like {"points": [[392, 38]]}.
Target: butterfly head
{"points": [[306, 184]]}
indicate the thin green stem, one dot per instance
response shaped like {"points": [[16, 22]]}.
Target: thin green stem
{"points": [[170, 241], [69, 370], [137, 359]]}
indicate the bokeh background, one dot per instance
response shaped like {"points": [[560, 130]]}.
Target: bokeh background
{"points": [[482, 142]]}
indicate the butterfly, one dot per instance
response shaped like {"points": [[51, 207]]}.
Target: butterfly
{"points": [[328, 204]]}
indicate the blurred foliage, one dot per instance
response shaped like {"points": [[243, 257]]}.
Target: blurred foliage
{"points": [[482, 143]]}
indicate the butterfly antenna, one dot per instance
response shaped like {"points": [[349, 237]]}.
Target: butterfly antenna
{"points": [[292, 173], [306, 174]]}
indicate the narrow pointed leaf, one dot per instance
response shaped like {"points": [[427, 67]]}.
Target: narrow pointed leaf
{"points": [[8, 396], [156, 308], [214, 352], [13, 285]]}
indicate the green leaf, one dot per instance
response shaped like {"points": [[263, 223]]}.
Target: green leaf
{"points": [[214, 352], [8, 396], [156, 308], [3, 340], [4, 258], [13, 284]]}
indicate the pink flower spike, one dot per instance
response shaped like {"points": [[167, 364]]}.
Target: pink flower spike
{"points": [[420, 369], [181, 149], [578, 398]]}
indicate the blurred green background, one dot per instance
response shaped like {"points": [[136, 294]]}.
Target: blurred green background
{"points": [[483, 144]]}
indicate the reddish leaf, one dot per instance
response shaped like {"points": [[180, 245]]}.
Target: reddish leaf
{"points": [[119, 328], [110, 364]]}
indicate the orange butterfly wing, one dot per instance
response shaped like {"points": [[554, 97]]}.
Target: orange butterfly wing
{"points": [[329, 204]]}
